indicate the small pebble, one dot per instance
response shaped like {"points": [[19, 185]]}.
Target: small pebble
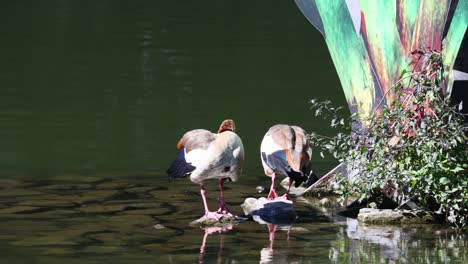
{"points": [[159, 226], [260, 189], [325, 202]]}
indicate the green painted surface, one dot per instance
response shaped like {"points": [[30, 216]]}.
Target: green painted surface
{"points": [[349, 55], [388, 31], [383, 44], [454, 39]]}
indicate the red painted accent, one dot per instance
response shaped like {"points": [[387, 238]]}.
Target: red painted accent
{"points": [[363, 25], [402, 27]]}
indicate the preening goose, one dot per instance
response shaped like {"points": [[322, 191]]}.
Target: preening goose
{"points": [[285, 150], [205, 155]]}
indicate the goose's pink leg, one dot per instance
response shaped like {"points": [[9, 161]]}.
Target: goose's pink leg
{"points": [[272, 195], [286, 195], [208, 214], [223, 209]]}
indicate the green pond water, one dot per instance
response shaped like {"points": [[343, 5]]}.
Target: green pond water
{"points": [[94, 96]]}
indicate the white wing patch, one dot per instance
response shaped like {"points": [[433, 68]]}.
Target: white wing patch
{"points": [[196, 157], [236, 152], [268, 145]]}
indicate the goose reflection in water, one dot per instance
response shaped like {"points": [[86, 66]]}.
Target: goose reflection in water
{"points": [[276, 215], [210, 231], [267, 255]]}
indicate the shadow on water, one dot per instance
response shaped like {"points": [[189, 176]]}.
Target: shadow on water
{"points": [[98, 220]]}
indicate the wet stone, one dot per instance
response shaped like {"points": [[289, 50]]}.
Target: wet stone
{"points": [[159, 226], [223, 221], [299, 229], [388, 216], [325, 202], [278, 210]]}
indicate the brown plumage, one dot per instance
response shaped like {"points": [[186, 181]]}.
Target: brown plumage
{"points": [[285, 150]]}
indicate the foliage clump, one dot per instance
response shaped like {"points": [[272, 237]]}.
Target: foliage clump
{"points": [[414, 148]]}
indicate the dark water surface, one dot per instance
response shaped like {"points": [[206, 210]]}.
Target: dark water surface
{"points": [[94, 96], [102, 220], [111, 86]]}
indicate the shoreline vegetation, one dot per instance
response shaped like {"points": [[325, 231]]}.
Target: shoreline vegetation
{"points": [[414, 149]]}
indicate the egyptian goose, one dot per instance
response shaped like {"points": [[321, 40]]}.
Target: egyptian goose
{"points": [[285, 150], [205, 155]]}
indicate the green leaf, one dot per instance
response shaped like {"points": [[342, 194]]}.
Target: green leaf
{"points": [[402, 73], [329, 147], [457, 169], [444, 181]]}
